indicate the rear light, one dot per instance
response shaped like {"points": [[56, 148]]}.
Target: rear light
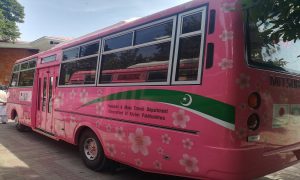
{"points": [[254, 100], [253, 122]]}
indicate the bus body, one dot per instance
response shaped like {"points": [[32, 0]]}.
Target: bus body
{"points": [[206, 112]]}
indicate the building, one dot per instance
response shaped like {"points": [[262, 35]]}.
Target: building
{"points": [[10, 52]]}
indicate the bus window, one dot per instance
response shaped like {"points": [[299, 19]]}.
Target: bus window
{"points": [[14, 80], [78, 72], [89, 49], [71, 54], [154, 33], [188, 48], [26, 78], [131, 65], [118, 42]]}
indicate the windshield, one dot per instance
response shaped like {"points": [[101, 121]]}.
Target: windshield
{"points": [[272, 41]]}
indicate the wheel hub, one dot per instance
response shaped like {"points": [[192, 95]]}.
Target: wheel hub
{"points": [[90, 148]]}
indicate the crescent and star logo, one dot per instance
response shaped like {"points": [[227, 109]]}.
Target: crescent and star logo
{"points": [[186, 100]]}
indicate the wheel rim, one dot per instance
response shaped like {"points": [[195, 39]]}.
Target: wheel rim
{"points": [[90, 148]]}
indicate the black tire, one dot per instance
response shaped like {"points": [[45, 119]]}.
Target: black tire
{"points": [[98, 162], [20, 127]]}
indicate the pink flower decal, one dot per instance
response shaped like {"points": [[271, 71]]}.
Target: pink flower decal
{"points": [[226, 35], [139, 142], [99, 92], [243, 81], [160, 150], [190, 163], [59, 100], [228, 6], [84, 96], [166, 139], [187, 143], [111, 149], [72, 94], [120, 134], [138, 162], [226, 64], [73, 122], [180, 119], [157, 165], [99, 108], [108, 128]]}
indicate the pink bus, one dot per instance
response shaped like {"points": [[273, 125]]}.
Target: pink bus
{"points": [[191, 91]]}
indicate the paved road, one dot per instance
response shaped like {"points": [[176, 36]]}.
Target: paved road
{"points": [[33, 156]]}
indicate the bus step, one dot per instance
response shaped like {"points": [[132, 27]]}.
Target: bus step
{"points": [[48, 134]]}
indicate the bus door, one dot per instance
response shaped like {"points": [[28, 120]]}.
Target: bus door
{"points": [[47, 85]]}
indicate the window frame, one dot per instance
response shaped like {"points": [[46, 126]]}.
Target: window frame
{"points": [[179, 35], [148, 25], [18, 72], [81, 58], [42, 62]]}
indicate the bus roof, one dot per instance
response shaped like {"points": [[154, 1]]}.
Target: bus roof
{"points": [[121, 26]]}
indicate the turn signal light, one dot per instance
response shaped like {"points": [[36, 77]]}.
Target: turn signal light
{"points": [[254, 100], [253, 122]]}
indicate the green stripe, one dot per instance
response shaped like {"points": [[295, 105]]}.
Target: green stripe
{"points": [[211, 107]]}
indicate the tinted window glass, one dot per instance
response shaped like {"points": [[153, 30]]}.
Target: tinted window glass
{"points": [[78, 72], [71, 54], [24, 66], [49, 59], [26, 78], [118, 42], [16, 67], [191, 23], [32, 64], [269, 52], [89, 49], [134, 65], [188, 58], [14, 80], [154, 33]]}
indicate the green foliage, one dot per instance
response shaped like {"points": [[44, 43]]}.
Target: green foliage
{"points": [[283, 15], [11, 13]]}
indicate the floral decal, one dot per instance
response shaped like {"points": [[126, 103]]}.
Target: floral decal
{"points": [[139, 142], [72, 94], [108, 128], [228, 6], [226, 64], [187, 143], [166, 139], [160, 150], [190, 163], [243, 81], [59, 100], [84, 96], [99, 108], [157, 165], [138, 162], [111, 149], [120, 134], [226, 35], [99, 92], [180, 119], [73, 122]]}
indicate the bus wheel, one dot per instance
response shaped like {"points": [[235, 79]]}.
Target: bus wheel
{"points": [[91, 152], [20, 127]]}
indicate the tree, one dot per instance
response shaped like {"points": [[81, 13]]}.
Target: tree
{"points": [[11, 13], [284, 15], [273, 24]]}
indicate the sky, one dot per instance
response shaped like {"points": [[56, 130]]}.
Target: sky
{"points": [[75, 18]]}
